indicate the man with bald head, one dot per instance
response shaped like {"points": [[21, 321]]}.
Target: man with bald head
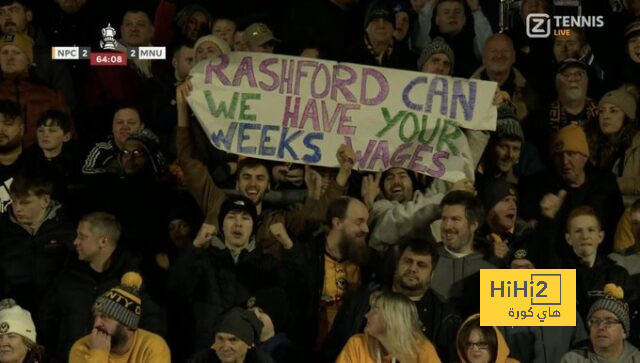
{"points": [[498, 58]]}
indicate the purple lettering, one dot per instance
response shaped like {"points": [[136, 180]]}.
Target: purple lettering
{"points": [[383, 87], [301, 73], [342, 84], [314, 77], [344, 118], [245, 69], [468, 103], [310, 111], [408, 89], [291, 116], [414, 164], [264, 69], [217, 69], [439, 87]]}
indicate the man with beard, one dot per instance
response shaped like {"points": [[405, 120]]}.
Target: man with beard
{"points": [[252, 181], [457, 275], [326, 269], [412, 277], [115, 335], [11, 156], [572, 106], [403, 211]]}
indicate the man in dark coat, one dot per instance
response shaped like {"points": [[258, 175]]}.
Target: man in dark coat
{"points": [[35, 240], [412, 277], [65, 314]]}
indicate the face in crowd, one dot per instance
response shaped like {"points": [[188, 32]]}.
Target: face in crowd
{"points": [[506, 153], [503, 215], [13, 348], [610, 119], [14, 18], [499, 54], [253, 182], [414, 271], [606, 331], [237, 227], [567, 46], [572, 84], [195, 26], [11, 133], [13, 61], [570, 166], [225, 29], [380, 30], [353, 230], [397, 185], [126, 121], [584, 235], [456, 230], [136, 29], [229, 348], [450, 17], [30, 209]]}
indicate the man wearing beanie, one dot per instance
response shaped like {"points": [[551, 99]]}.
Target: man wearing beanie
{"points": [[210, 46], [583, 183], [235, 340], [437, 58], [609, 328], [17, 85], [498, 58], [378, 47], [230, 265], [539, 344], [502, 231], [115, 336]]}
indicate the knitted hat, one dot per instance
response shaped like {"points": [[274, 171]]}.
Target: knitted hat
{"points": [[380, 9], [438, 45], [14, 319], [570, 138], [238, 202], [274, 303], [571, 62], [621, 99], [613, 301], [529, 252], [22, 41], [221, 43], [258, 34], [632, 30], [244, 324], [494, 190], [508, 123], [122, 302]]}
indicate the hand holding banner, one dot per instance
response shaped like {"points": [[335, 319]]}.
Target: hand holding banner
{"points": [[300, 110]]}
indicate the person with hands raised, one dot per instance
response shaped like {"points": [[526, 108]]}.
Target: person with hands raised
{"points": [[253, 181]]}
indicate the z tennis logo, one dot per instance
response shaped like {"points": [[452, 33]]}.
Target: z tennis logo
{"points": [[538, 25], [528, 297]]}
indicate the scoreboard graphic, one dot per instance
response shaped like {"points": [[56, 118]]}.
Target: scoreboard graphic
{"points": [[112, 57]]}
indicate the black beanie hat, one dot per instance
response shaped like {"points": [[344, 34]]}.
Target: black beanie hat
{"points": [[494, 190], [273, 302], [238, 202], [244, 324], [380, 9]]}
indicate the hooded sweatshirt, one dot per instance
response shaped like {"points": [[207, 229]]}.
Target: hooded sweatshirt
{"points": [[630, 354], [502, 353]]}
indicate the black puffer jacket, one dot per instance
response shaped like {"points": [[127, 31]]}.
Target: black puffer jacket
{"points": [[66, 311], [30, 260]]}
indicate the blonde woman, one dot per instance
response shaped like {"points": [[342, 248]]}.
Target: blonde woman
{"points": [[393, 334]]}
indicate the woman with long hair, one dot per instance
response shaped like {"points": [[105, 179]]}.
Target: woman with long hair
{"points": [[481, 344], [393, 334], [18, 335], [614, 140]]}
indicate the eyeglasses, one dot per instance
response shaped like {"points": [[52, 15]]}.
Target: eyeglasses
{"points": [[607, 323], [136, 153], [480, 345]]}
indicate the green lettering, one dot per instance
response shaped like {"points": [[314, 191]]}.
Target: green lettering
{"points": [[390, 121], [244, 107], [221, 108]]}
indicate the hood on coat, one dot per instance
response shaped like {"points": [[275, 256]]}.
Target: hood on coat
{"points": [[502, 353]]}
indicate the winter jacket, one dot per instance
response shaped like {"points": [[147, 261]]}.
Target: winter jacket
{"points": [[357, 351], [103, 158], [522, 96], [439, 320], [521, 236], [210, 198], [457, 280], [502, 354], [31, 259], [34, 99], [210, 356], [392, 220], [304, 265], [281, 349], [629, 172], [543, 344], [600, 191], [66, 311], [210, 282], [630, 354]]}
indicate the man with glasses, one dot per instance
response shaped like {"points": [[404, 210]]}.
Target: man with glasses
{"points": [[538, 344], [572, 106], [609, 326]]}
